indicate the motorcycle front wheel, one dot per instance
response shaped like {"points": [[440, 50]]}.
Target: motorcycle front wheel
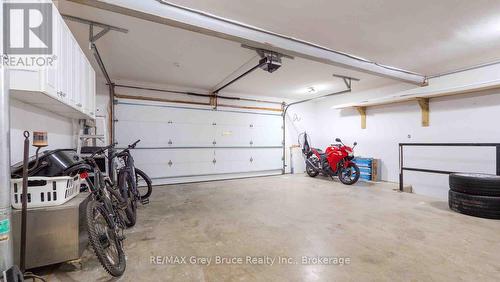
{"points": [[350, 174]]}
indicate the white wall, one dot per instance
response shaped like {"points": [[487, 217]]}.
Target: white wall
{"points": [[26, 117], [462, 118], [300, 118]]}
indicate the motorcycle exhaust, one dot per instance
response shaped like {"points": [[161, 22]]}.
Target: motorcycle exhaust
{"points": [[312, 165]]}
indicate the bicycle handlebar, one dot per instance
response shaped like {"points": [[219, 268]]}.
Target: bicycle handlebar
{"points": [[102, 150], [132, 146]]}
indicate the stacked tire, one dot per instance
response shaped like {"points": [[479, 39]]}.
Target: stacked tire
{"points": [[475, 194]]}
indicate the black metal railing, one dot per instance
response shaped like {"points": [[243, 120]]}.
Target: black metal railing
{"points": [[402, 168]]}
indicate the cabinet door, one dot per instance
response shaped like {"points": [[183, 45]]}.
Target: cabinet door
{"points": [[51, 81], [84, 85], [72, 69], [63, 66], [71, 81], [51, 75], [78, 92], [60, 69], [73, 84], [84, 78], [91, 93]]}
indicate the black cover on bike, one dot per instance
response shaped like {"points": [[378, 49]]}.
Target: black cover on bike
{"points": [[306, 148], [51, 163], [90, 149]]}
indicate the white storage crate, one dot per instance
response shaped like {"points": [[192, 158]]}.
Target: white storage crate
{"points": [[45, 191]]}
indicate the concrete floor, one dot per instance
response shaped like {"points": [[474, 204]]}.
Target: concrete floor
{"points": [[386, 235]]}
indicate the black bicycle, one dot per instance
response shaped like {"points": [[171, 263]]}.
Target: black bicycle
{"points": [[130, 183], [105, 214]]}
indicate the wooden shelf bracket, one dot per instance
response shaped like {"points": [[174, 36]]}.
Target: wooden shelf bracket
{"points": [[362, 113], [424, 107]]}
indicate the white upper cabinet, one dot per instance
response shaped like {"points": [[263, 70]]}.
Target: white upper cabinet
{"points": [[67, 88]]}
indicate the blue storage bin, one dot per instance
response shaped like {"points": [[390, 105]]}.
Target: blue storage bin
{"points": [[366, 168], [365, 177]]}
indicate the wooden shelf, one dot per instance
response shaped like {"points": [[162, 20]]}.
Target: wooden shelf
{"points": [[420, 95]]}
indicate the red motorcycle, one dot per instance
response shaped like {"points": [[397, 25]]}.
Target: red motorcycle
{"points": [[335, 161]]}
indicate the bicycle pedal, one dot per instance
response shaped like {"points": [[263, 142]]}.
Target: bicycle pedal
{"points": [[145, 201]]}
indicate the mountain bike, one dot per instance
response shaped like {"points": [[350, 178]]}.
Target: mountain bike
{"points": [[129, 180], [105, 215]]}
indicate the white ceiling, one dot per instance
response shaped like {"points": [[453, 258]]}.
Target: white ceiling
{"points": [[156, 53], [160, 54], [424, 36]]}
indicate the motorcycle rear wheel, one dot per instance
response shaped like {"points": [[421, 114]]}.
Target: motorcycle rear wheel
{"points": [[311, 171], [349, 175]]}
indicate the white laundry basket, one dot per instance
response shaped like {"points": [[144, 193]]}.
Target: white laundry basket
{"points": [[45, 191]]}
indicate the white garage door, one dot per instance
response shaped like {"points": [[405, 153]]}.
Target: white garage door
{"points": [[181, 144]]}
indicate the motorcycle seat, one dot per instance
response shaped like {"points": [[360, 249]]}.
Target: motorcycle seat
{"points": [[319, 151]]}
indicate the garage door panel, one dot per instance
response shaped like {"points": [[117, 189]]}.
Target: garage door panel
{"points": [[192, 134], [238, 160], [266, 136], [169, 163], [130, 131], [232, 166], [177, 143], [266, 159], [189, 162], [154, 167], [232, 135], [230, 118], [132, 111], [178, 115], [142, 113], [232, 160]]}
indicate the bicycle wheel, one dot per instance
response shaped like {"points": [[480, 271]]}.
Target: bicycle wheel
{"points": [[104, 240], [126, 190], [143, 184]]}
